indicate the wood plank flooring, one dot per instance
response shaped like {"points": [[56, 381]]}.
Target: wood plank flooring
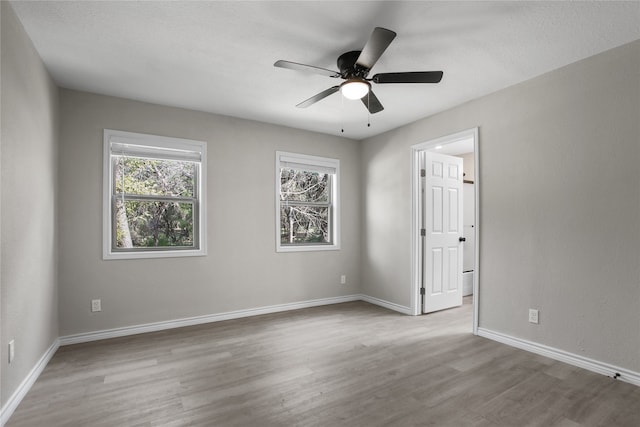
{"points": [[351, 364]]}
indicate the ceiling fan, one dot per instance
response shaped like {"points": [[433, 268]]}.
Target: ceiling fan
{"points": [[354, 68]]}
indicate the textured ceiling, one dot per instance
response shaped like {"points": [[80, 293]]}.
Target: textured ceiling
{"points": [[218, 56]]}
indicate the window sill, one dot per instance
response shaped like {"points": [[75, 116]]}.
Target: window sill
{"points": [[153, 254], [307, 248]]}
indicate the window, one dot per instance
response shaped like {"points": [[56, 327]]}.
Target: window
{"points": [[307, 215], [153, 196]]}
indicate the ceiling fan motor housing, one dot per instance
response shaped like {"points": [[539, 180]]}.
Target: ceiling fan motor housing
{"points": [[348, 68]]}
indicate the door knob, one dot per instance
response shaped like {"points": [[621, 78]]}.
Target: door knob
{"points": [[462, 239]]}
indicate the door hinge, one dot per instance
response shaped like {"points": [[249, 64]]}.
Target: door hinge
{"points": [[423, 173], [422, 291], [423, 232]]}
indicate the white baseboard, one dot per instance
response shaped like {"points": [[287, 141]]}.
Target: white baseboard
{"points": [[198, 320], [26, 384], [564, 356], [386, 304]]}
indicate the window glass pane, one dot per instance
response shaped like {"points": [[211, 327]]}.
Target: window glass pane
{"points": [[304, 224], [303, 186], [148, 224], [154, 177]]}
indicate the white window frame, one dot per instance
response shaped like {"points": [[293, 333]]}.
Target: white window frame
{"points": [[147, 143], [310, 163]]}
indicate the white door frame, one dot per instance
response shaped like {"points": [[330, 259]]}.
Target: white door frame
{"points": [[416, 247]]}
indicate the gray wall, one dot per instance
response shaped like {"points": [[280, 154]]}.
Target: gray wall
{"points": [[29, 194], [559, 207], [242, 269]]}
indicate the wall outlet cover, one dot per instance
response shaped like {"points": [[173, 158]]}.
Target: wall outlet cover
{"points": [[533, 316]]}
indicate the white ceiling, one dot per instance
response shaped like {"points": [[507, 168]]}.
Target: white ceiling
{"points": [[218, 56]]}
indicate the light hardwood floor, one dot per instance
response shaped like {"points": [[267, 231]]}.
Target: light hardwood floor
{"points": [[351, 364]]}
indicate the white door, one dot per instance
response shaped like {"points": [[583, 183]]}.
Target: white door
{"points": [[442, 224]]}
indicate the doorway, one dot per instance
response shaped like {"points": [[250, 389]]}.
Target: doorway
{"points": [[462, 267]]}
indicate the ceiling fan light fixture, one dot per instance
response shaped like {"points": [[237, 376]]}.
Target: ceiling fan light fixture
{"points": [[355, 88]]}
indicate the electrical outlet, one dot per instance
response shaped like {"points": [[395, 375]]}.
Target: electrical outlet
{"points": [[96, 305], [343, 279], [533, 316], [12, 350]]}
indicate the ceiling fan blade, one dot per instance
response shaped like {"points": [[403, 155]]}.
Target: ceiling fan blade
{"points": [[303, 67], [318, 97], [380, 39], [372, 103], [410, 77]]}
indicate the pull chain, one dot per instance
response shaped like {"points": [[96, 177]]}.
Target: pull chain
{"points": [[369, 109], [342, 115]]}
